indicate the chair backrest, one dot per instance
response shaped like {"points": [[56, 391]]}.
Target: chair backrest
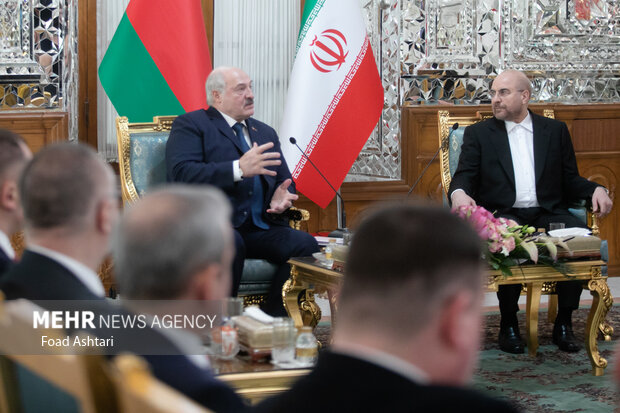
{"points": [[449, 155], [46, 380], [140, 392], [142, 155]]}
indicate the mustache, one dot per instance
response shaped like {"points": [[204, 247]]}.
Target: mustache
{"points": [[249, 101]]}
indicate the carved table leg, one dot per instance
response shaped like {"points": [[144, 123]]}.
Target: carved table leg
{"points": [[531, 316], [601, 303], [299, 301], [310, 310], [290, 297]]}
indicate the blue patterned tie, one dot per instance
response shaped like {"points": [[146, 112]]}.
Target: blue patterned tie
{"points": [[257, 195]]}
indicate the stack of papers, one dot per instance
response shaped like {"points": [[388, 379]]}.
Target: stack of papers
{"points": [[325, 240]]}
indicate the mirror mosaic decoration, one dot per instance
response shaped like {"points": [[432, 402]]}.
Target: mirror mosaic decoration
{"points": [[38, 56], [447, 51]]}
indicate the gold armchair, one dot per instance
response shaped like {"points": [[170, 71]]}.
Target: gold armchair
{"points": [[142, 157], [537, 279]]}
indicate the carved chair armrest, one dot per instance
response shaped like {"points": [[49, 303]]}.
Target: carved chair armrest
{"points": [[296, 216]]}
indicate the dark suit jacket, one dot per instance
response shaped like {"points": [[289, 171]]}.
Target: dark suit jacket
{"points": [[37, 278], [5, 263], [201, 149], [485, 170], [341, 383]]}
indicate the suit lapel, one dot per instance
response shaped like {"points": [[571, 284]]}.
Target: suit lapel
{"points": [[541, 145], [499, 137], [218, 120], [255, 136]]}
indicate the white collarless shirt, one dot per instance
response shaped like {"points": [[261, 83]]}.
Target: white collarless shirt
{"points": [[87, 276], [521, 140], [5, 245]]}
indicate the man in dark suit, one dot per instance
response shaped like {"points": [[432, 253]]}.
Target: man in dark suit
{"points": [[409, 321], [14, 154], [225, 147], [177, 244], [523, 167], [70, 206]]}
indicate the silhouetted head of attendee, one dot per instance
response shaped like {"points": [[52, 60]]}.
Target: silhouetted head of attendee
{"points": [[511, 92], [175, 243], [14, 154], [413, 289], [229, 90], [70, 202]]}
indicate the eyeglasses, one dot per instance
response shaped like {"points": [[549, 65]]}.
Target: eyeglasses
{"points": [[503, 92]]}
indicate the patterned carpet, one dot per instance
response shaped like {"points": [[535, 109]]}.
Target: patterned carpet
{"points": [[553, 381]]}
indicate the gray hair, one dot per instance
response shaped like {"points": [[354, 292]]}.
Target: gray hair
{"points": [[164, 239], [61, 186], [215, 82]]}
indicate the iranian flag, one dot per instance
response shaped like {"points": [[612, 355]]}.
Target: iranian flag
{"points": [[334, 99], [158, 60]]}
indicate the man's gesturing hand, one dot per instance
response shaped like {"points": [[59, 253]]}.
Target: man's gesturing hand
{"points": [[256, 160], [282, 199]]}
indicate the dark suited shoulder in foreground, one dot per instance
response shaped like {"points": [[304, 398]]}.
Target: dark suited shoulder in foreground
{"points": [[409, 321], [341, 383], [37, 277]]}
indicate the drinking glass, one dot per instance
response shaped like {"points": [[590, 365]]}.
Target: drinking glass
{"points": [[283, 348]]}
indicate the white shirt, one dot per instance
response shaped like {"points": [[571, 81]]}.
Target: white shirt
{"points": [[387, 361], [87, 276], [521, 140], [5, 245], [235, 165]]}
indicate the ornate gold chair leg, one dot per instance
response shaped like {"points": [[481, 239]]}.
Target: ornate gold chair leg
{"points": [[601, 303], [531, 316]]}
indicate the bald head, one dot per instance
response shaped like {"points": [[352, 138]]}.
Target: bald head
{"points": [[511, 92], [168, 237], [62, 185]]}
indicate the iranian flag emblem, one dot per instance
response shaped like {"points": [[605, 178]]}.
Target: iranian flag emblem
{"points": [[335, 96]]}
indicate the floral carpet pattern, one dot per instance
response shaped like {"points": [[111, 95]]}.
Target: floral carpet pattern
{"points": [[553, 381]]}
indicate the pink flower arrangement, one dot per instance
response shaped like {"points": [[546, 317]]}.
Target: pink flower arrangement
{"points": [[507, 241]]}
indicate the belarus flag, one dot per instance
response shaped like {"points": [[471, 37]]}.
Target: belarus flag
{"points": [[334, 99], [158, 60]]}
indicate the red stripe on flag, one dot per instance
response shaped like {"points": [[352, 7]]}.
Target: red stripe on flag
{"points": [[344, 135], [173, 32]]}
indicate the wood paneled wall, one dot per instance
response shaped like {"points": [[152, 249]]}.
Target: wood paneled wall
{"points": [[37, 128], [595, 138]]}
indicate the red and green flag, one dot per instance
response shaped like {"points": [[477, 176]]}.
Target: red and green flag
{"points": [[158, 60]]}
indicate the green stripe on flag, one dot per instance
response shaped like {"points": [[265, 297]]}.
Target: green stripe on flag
{"points": [[311, 10], [131, 79]]}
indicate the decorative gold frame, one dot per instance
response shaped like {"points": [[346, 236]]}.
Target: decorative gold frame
{"points": [[123, 132]]}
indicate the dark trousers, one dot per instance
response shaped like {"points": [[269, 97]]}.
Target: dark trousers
{"points": [[277, 245], [568, 291]]}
